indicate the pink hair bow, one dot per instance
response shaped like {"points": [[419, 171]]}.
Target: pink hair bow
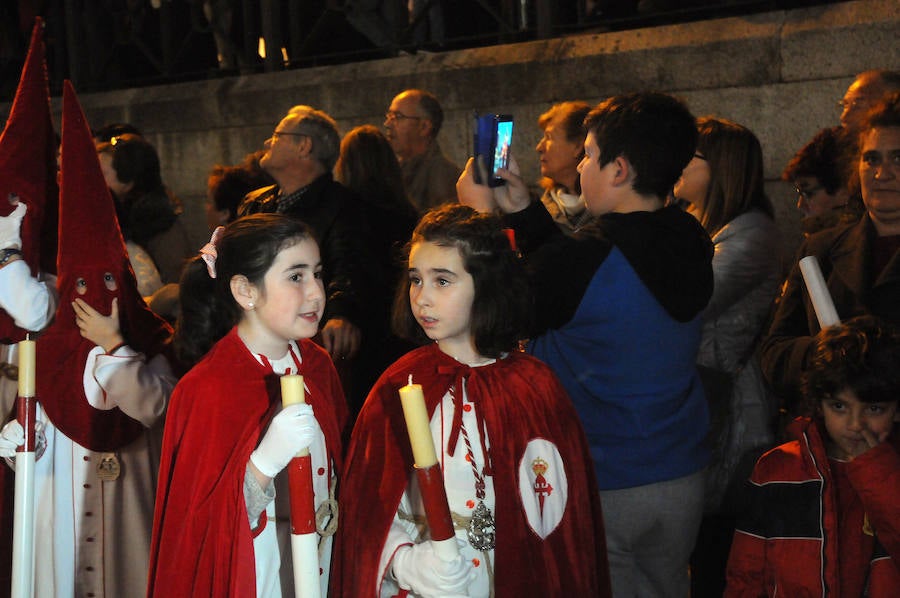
{"points": [[208, 252]]}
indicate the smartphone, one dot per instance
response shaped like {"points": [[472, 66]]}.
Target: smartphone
{"points": [[493, 139]]}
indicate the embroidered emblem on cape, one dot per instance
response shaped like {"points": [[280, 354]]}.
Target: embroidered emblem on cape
{"points": [[543, 487]]}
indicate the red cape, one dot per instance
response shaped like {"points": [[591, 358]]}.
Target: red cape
{"points": [[526, 401], [202, 544]]}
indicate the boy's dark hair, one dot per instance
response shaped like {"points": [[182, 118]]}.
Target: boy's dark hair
{"points": [[247, 246], [502, 305], [655, 132], [860, 355], [826, 157]]}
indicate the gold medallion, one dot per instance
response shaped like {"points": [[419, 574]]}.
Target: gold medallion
{"points": [[108, 469]]}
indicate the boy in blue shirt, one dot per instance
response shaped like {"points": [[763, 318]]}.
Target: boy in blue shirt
{"points": [[617, 318]]}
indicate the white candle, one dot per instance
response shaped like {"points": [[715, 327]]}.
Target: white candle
{"points": [[26, 368], [292, 393], [818, 292], [417, 424]]}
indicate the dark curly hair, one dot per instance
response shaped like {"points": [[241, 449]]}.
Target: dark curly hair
{"points": [[827, 157], [502, 304], [247, 246], [861, 355]]}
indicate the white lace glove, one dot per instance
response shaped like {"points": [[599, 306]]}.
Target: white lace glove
{"points": [[10, 227], [417, 568], [13, 436], [292, 430]]}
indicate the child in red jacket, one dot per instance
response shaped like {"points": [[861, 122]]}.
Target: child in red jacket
{"points": [[824, 516]]}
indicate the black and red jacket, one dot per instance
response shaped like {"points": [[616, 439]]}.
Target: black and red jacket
{"points": [[786, 544]]}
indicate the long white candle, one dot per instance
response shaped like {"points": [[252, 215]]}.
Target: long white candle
{"points": [[304, 546], [818, 292]]}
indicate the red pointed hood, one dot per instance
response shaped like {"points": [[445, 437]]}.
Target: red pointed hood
{"points": [[28, 168], [92, 266]]}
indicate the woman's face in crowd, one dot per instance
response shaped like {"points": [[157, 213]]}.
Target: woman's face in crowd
{"points": [[694, 182], [559, 156], [111, 176], [879, 177]]}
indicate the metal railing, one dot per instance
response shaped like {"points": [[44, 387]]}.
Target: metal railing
{"points": [[114, 44]]}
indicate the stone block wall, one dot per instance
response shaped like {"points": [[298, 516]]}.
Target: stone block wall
{"points": [[779, 73]]}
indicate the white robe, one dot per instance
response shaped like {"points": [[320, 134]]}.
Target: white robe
{"points": [[92, 537], [272, 547]]}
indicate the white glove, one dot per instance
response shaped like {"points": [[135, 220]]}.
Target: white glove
{"points": [[292, 430], [417, 568], [10, 227], [13, 436]]}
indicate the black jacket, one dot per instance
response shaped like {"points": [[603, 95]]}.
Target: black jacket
{"points": [[338, 219]]}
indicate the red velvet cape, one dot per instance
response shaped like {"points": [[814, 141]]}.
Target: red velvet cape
{"points": [[202, 544], [522, 400]]}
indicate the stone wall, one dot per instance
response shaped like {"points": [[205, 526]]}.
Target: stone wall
{"points": [[779, 73]]}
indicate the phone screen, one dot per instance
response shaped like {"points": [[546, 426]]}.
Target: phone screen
{"points": [[493, 138], [504, 140]]}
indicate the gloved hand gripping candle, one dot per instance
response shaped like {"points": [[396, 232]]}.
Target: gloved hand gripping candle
{"points": [[428, 472], [304, 537]]}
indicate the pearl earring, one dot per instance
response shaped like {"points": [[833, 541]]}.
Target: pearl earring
{"points": [[250, 305]]}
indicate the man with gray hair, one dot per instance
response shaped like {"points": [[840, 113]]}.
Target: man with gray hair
{"points": [[300, 155], [412, 124]]}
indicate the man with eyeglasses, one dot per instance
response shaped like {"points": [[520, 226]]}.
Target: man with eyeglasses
{"points": [[860, 261], [819, 172], [300, 155], [411, 126], [863, 93]]}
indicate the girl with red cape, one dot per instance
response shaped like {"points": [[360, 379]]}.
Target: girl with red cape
{"points": [[517, 471], [249, 305]]}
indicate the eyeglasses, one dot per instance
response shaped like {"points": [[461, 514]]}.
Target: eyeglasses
{"points": [[807, 193], [277, 134], [855, 103], [392, 115]]}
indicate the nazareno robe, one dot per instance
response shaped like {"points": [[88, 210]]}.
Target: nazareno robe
{"points": [[202, 542], [521, 400]]}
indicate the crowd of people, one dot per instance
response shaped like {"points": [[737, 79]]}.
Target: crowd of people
{"points": [[624, 395]]}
